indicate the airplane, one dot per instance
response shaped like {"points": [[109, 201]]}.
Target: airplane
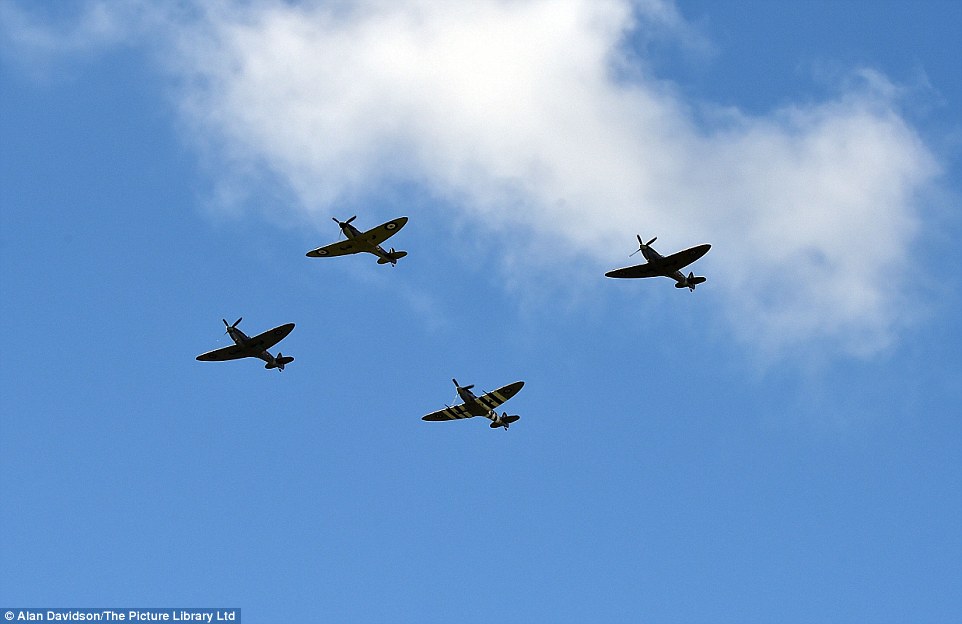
{"points": [[665, 266], [252, 347], [485, 405], [358, 241]]}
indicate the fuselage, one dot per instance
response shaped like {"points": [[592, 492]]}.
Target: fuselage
{"points": [[472, 404], [240, 338], [653, 256], [355, 235], [476, 408], [650, 254]]}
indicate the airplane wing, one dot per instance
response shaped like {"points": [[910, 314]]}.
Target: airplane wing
{"points": [[256, 345], [233, 352], [449, 413], [639, 270], [494, 399], [384, 231], [677, 261], [340, 248]]}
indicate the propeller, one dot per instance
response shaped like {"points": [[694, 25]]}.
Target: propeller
{"points": [[234, 326], [460, 386], [343, 224], [642, 244]]}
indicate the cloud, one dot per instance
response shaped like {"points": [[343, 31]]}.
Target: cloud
{"points": [[535, 114], [35, 38]]}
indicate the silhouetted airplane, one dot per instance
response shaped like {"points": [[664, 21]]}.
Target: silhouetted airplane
{"points": [[664, 266], [244, 346]]}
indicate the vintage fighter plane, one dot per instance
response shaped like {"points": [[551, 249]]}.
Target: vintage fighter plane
{"points": [[666, 266], [485, 405], [252, 347], [358, 241]]}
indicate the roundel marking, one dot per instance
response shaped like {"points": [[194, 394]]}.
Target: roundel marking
{"points": [[391, 226], [322, 252]]}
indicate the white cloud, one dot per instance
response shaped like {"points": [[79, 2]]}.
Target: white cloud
{"points": [[503, 105]]}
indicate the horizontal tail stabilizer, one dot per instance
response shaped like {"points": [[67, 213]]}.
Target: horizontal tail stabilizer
{"points": [[691, 281], [280, 362], [392, 257], [503, 421]]}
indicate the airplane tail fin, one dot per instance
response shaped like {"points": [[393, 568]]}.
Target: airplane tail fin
{"points": [[692, 281], [280, 361], [392, 257], [505, 421]]}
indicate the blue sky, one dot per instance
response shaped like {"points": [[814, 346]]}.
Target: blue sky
{"points": [[783, 444]]}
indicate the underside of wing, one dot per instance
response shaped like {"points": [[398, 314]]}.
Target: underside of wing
{"points": [[384, 231], [639, 270], [493, 400], [677, 261], [233, 352], [449, 413], [340, 248], [263, 342]]}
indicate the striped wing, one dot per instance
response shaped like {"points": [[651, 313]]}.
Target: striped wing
{"points": [[449, 413], [493, 400]]}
